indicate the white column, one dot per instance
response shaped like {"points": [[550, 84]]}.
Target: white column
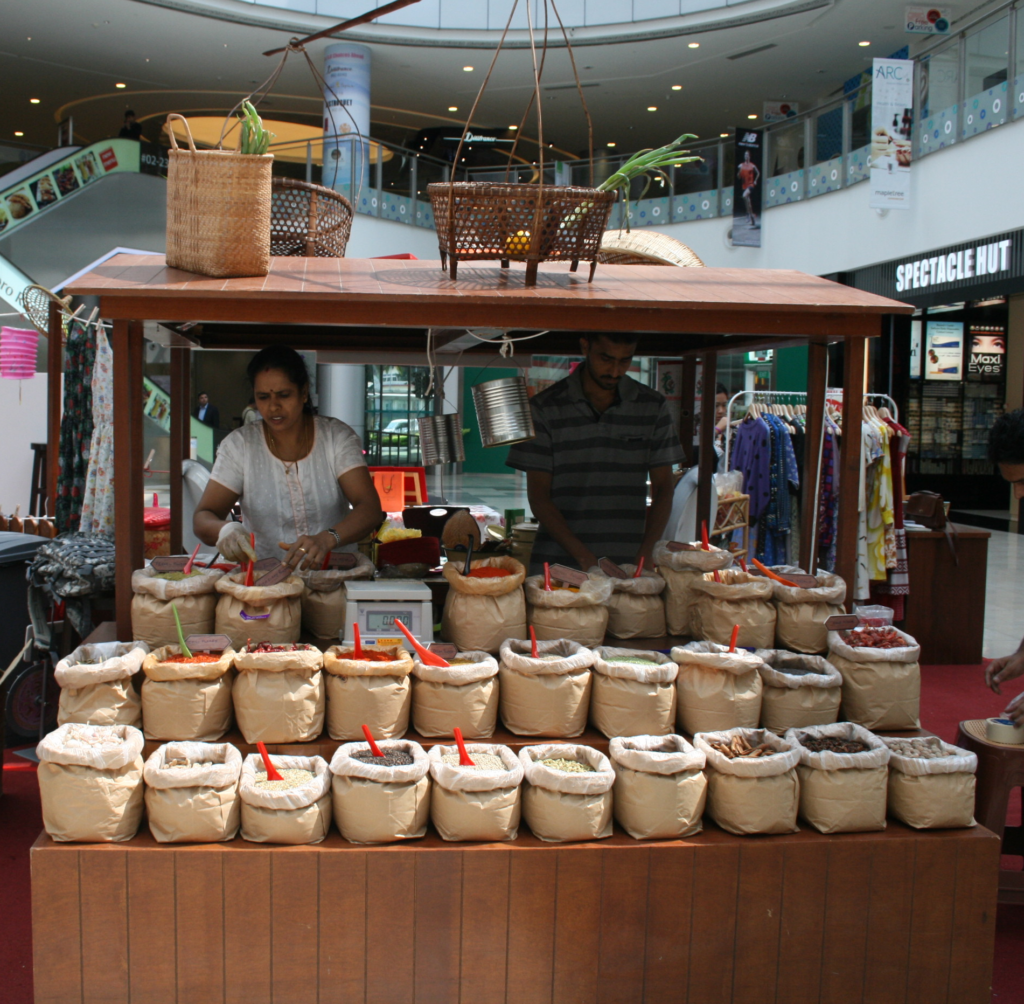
{"points": [[342, 390]]}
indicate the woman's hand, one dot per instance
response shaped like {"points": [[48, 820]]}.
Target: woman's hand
{"points": [[1015, 709], [1008, 667], [234, 544], [307, 552]]}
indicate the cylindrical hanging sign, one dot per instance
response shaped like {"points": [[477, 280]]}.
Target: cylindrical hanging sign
{"points": [[346, 116]]}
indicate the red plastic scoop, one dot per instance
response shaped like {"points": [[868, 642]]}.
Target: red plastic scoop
{"points": [[704, 542], [357, 649], [327, 561], [272, 774], [735, 635], [533, 643], [743, 565], [191, 561], [465, 760], [718, 578], [547, 577], [639, 568], [426, 657], [772, 575], [374, 748]]}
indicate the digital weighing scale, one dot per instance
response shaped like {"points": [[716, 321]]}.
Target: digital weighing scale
{"points": [[375, 606]]}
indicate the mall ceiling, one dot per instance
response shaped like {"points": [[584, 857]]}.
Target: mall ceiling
{"points": [[71, 57]]}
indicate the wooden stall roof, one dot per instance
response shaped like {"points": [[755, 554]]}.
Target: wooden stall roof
{"points": [[366, 292]]}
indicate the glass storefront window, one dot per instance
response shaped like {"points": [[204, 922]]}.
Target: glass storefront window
{"points": [[395, 399], [986, 87]]}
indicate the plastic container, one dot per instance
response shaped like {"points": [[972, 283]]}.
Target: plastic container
{"points": [[874, 615]]}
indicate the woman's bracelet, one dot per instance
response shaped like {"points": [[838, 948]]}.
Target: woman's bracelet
{"points": [[334, 533]]}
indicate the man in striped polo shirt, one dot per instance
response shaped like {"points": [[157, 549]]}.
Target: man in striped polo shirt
{"points": [[599, 435]]}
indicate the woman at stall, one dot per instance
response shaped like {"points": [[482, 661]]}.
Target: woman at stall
{"points": [[302, 479]]}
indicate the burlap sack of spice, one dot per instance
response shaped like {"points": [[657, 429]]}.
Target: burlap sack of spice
{"points": [[559, 806], [636, 609], [376, 694], [324, 598], [660, 786], [740, 598], [561, 614], [279, 696], [468, 804], [97, 686], [479, 614], [680, 569], [545, 697], [716, 689], [798, 690], [932, 794], [801, 613], [195, 804], [381, 805], [300, 815], [463, 696], [842, 792], [195, 599], [258, 613], [90, 782], [630, 699], [752, 794], [186, 701], [881, 686]]}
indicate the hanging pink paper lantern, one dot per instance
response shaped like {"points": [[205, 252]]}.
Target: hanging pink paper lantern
{"points": [[18, 353]]}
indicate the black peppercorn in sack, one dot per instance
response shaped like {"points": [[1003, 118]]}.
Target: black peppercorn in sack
{"points": [[481, 802], [568, 792], [294, 810], [740, 598], [97, 684], [752, 780], [680, 569], [155, 593], [90, 782], [931, 783], [381, 800], [569, 613], [192, 792], [801, 613], [716, 689], [546, 696], [633, 692], [843, 777], [186, 700], [279, 695], [481, 613], [636, 609], [461, 696], [660, 786], [325, 597], [798, 690], [375, 691], [258, 613]]}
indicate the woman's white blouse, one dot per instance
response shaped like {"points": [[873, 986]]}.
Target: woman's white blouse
{"points": [[282, 502]]}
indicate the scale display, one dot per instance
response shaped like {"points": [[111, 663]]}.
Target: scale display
{"points": [[384, 620]]}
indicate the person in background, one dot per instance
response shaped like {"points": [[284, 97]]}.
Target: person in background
{"points": [[721, 409], [131, 129], [207, 413], [1006, 451], [250, 413]]}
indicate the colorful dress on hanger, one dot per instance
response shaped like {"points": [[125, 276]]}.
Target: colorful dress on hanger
{"points": [[752, 455], [881, 543], [774, 526], [75, 426], [828, 499], [98, 501], [892, 593]]}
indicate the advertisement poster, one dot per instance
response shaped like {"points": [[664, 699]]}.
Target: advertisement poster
{"points": [[892, 119], [776, 111], [670, 383], [926, 21], [915, 350], [746, 200], [987, 356], [944, 350], [346, 115]]}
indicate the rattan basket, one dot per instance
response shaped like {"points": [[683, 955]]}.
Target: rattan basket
{"points": [[644, 247], [218, 210], [308, 221]]}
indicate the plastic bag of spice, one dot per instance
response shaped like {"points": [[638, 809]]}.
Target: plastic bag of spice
{"points": [[680, 569], [192, 792], [546, 696], [375, 691], [748, 793], [740, 598], [463, 696], [258, 613], [294, 810], [881, 686], [279, 696], [480, 612], [633, 692], [568, 792], [90, 782], [716, 689], [195, 598], [325, 598], [636, 609], [801, 613], [570, 613], [660, 786], [841, 792], [96, 684], [186, 699], [931, 783], [475, 803], [799, 690], [380, 802]]}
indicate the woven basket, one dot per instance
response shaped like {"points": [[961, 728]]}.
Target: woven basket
{"points": [[530, 223], [308, 221], [218, 210], [644, 247]]}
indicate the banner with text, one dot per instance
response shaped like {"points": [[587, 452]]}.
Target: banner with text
{"points": [[892, 120], [746, 199]]}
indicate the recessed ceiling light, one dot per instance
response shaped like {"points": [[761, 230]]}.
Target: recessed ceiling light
{"points": [[452, 108], [468, 69], [611, 144], [18, 132], [120, 87], [652, 108], [677, 87], [513, 127], [33, 101], [863, 44], [751, 116], [723, 134], [693, 45]]}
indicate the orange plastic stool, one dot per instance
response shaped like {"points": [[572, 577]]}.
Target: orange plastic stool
{"points": [[398, 487]]}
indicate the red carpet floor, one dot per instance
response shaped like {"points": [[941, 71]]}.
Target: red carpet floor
{"points": [[949, 694]]}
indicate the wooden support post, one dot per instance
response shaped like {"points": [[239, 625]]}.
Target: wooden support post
{"points": [[817, 383], [128, 460], [688, 405], [854, 357], [181, 429], [708, 459], [54, 401]]}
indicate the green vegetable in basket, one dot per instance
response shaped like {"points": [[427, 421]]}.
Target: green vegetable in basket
{"points": [[255, 139]]}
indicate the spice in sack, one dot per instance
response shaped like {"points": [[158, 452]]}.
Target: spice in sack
{"points": [[927, 748], [178, 576], [291, 777], [872, 637], [199, 657], [568, 766], [183, 763], [365, 656], [739, 747], [481, 761], [489, 573], [633, 660], [832, 744], [266, 646], [390, 758]]}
